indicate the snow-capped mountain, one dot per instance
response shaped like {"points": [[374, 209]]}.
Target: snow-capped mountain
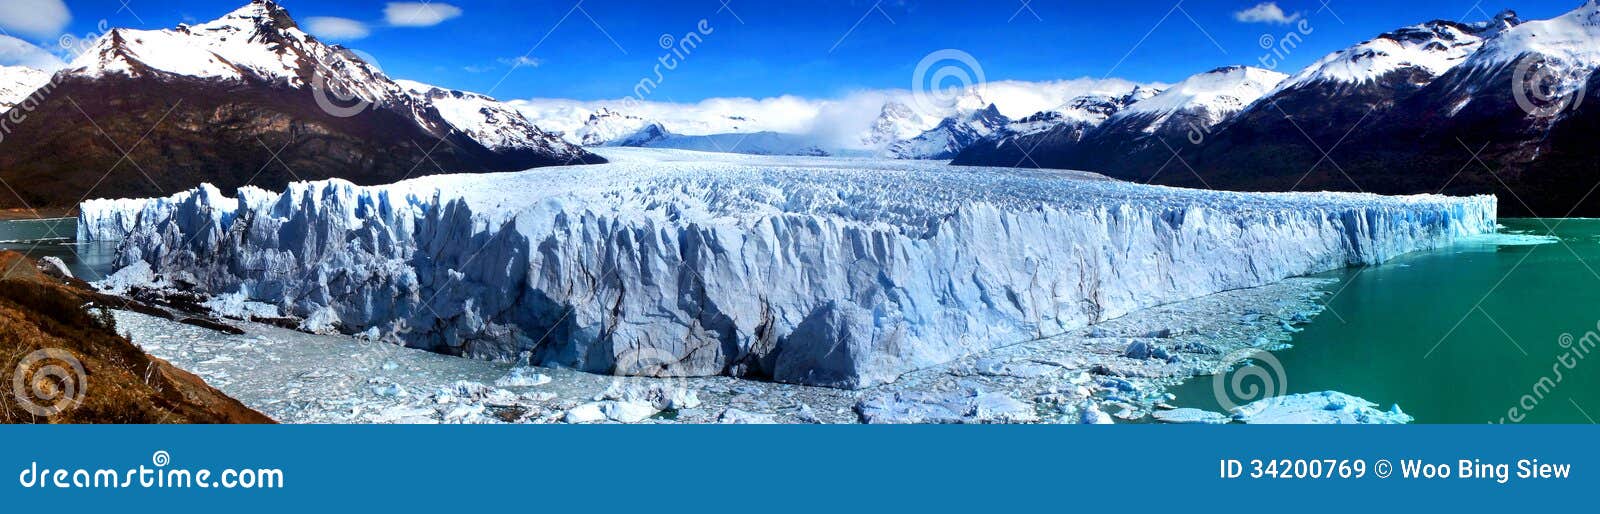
{"points": [[1569, 38], [215, 101], [1200, 101], [1100, 128], [1422, 52], [896, 122], [17, 82], [605, 126], [1397, 114], [952, 135], [491, 123]]}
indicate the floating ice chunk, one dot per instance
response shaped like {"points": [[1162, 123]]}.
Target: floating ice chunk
{"points": [[135, 275], [966, 405], [1512, 239], [628, 412], [999, 408], [238, 305], [734, 416], [586, 413], [467, 389], [1189, 415], [1327, 407], [522, 377], [1090, 414], [390, 389]]}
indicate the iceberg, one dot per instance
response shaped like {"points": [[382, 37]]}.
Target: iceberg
{"points": [[822, 271]]}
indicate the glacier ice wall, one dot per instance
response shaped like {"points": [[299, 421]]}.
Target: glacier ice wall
{"points": [[831, 272]]}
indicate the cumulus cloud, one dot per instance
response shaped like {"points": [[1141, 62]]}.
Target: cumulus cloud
{"points": [[418, 14], [1265, 12], [16, 52], [41, 19], [337, 29]]}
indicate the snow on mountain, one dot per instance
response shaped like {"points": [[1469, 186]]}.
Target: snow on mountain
{"points": [[837, 272], [858, 123], [1083, 112], [261, 43], [712, 116], [258, 41], [494, 124], [606, 125], [951, 135], [1206, 98], [17, 82], [1570, 39], [895, 122], [1433, 48]]}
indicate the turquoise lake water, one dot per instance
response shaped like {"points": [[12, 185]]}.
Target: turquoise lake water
{"points": [[54, 238], [1481, 332]]}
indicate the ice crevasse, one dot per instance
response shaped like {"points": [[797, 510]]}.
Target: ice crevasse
{"points": [[835, 272]]}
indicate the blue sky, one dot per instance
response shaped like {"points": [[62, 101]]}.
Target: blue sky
{"points": [[598, 49]]}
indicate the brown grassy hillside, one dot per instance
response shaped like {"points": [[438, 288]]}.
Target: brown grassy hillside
{"points": [[75, 368]]}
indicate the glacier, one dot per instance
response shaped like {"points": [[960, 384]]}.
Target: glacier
{"points": [[836, 272]]}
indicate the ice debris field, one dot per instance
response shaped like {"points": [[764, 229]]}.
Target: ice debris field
{"points": [[819, 271]]}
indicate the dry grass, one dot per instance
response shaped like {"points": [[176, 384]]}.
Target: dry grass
{"points": [[121, 384]]}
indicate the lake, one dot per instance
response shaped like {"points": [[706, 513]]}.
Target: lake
{"points": [[1489, 330], [53, 237]]}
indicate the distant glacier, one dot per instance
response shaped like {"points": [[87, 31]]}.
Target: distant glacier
{"points": [[822, 271]]}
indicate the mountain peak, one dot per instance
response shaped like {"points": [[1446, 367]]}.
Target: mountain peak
{"points": [[259, 13]]}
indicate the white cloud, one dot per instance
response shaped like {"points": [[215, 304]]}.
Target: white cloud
{"points": [[1265, 12], [521, 62], [418, 14], [16, 52], [337, 29], [41, 19], [837, 121]]}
